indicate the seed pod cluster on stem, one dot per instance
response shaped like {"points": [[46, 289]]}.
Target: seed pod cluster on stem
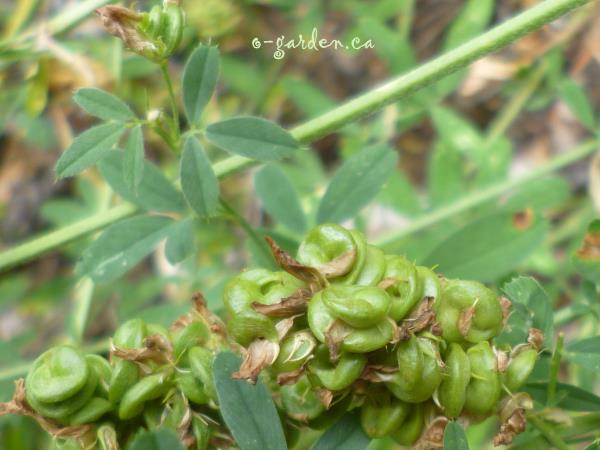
{"points": [[341, 327]]}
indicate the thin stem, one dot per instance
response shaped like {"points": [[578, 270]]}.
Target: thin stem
{"points": [[548, 432], [487, 194], [361, 106], [554, 368], [164, 69]]}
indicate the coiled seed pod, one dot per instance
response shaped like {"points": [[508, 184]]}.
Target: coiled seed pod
{"points": [[412, 426], [107, 437], [339, 375], [469, 312], [148, 388], [521, 364], [483, 391], [294, 351], [452, 392], [374, 268], [372, 335], [261, 286], [173, 29], [405, 286], [300, 400], [419, 373], [382, 414], [60, 382], [338, 253]]}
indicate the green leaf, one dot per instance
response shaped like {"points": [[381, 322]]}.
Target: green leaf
{"points": [[180, 243], [252, 137], [445, 176], [88, 148], [527, 291], [307, 98], [456, 131], [400, 194], [585, 353], [569, 397], [279, 198], [578, 102], [248, 410], [586, 260], [122, 245], [356, 183], [161, 439], [154, 193], [539, 195], [455, 437], [133, 160], [345, 434], [199, 80], [593, 446], [103, 105], [198, 180], [487, 248]]}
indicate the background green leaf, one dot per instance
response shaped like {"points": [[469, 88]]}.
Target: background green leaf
{"points": [[248, 409], [199, 80], [122, 245], [279, 198], [356, 182], [133, 160], [180, 243], [345, 434], [455, 437], [585, 352], [198, 180], [88, 148], [102, 104], [569, 397], [577, 100], [162, 439], [252, 137]]}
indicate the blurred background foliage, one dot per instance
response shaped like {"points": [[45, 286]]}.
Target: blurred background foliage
{"points": [[447, 190]]}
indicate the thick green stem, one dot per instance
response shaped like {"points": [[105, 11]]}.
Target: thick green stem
{"points": [[164, 69], [487, 194], [347, 112], [554, 368]]}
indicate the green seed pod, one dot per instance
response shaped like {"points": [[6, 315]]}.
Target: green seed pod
{"points": [[330, 243], [103, 370], [431, 283], [412, 427], [340, 375], [195, 334], [173, 29], [148, 388], [131, 334], [406, 386], [57, 374], [359, 307], [407, 287], [453, 390], [484, 389], [191, 388], [468, 312], [154, 22], [519, 368], [201, 362], [107, 438], [300, 400], [294, 351], [175, 412], [60, 410], [381, 414], [124, 375], [373, 269], [93, 410]]}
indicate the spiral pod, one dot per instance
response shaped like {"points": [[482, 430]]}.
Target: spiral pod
{"points": [[294, 351], [452, 392], [195, 380], [300, 400], [469, 312], [354, 316], [521, 363], [484, 388], [419, 373], [382, 414], [148, 388], [61, 382], [404, 286], [260, 286], [339, 254], [338, 375], [412, 426], [130, 335]]}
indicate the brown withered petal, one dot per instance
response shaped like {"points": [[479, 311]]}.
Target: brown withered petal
{"points": [[334, 336], [283, 327], [288, 306], [418, 320], [18, 405], [338, 266], [326, 397], [465, 320], [156, 348], [260, 354], [290, 377], [590, 248], [535, 338], [514, 425], [122, 23], [309, 275], [506, 306], [377, 373], [433, 436], [502, 360]]}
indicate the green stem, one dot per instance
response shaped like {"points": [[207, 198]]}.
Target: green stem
{"points": [[554, 368], [164, 69], [389, 92], [487, 194], [548, 432]]}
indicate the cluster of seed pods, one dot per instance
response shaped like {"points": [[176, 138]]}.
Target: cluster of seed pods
{"points": [[341, 327], [345, 327]]}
